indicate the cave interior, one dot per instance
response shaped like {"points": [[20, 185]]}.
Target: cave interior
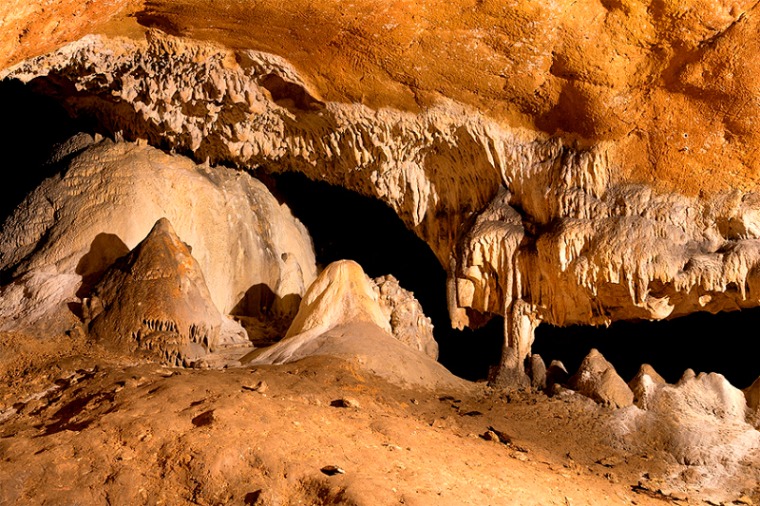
{"points": [[346, 225]]}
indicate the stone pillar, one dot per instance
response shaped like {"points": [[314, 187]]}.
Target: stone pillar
{"points": [[520, 322]]}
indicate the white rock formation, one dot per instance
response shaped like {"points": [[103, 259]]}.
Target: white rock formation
{"points": [[752, 393], [645, 385], [557, 236], [76, 224], [701, 422], [340, 315], [597, 379], [408, 321]]}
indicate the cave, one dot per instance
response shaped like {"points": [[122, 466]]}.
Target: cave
{"points": [[239, 352], [346, 225], [703, 342]]}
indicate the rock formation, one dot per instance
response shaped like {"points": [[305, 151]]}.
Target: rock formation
{"points": [[596, 378], [556, 374], [568, 162], [645, 385], [341, 315], [560, 235], [155, 300], [408, 322], [68, 231], [537, 372], [701, 423], [752, 393]]}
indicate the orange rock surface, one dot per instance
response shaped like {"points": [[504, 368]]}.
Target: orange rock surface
{"points": [[673, 83]]}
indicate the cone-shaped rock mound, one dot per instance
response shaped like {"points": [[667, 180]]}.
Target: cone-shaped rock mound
{"points": [[341, 316], [155, 300]]}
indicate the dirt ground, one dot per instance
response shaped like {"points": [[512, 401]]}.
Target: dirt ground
{"points": [[90, 428]]}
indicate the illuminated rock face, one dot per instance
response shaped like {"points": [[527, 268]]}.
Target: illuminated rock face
{"points": [[408, 321], [345, 314], [530, 227], [67, 232], [155, 300], [557, 238]]}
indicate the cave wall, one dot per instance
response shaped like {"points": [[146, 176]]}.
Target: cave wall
{"points": [[529, 226]]}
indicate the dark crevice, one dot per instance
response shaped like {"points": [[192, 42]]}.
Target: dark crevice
{"points": [[35, 125], [703, 342], [346, 225]]}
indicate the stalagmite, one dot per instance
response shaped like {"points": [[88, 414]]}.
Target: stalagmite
{"points": [[155, 301], [530, 226]]}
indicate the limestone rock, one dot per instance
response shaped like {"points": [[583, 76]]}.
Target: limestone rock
{"points": [[556, 374], [155, 300], [537, 372], [752, 393], [510, 373], [251, 250], [700, 421], [340, 315], [644, 385], [341, 294], [545, 73], [531, 226], [687, 376], [408, 322], [597, 379]]}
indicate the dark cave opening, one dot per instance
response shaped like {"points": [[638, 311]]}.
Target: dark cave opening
{"points": [[346, 225], [703, 342], [36, 125]]}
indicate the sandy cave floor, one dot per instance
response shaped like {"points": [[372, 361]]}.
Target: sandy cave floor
{"points": [[91, 429]]}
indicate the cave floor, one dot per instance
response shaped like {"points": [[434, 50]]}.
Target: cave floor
{"points": [[91, 429]]}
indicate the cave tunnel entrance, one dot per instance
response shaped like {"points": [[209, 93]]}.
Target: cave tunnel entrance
{"points": [[703, 342], [346, 225]]}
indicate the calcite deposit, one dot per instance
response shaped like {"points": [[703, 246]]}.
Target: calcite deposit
{"points": [[597, 379], [63, 237], [155, 300], [568, 162], [345, 314], [529, 226]]}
